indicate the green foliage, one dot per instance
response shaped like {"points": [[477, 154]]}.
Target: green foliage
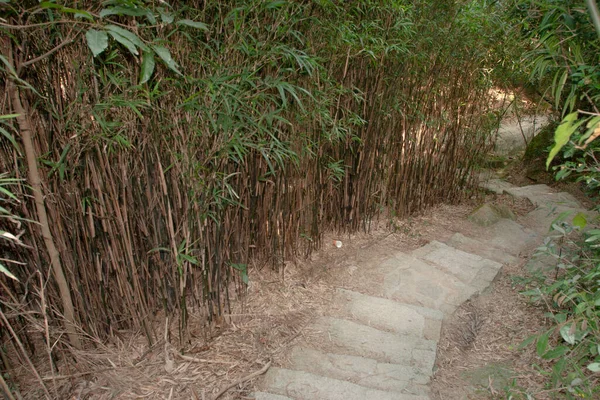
{"points": [[243, 270], [7, 217], [6, 130], [563, 51], [572, 299], [8, 198], [562, 135], [562, 62]]}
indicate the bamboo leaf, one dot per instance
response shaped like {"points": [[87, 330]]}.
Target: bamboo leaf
{"points": [[10, 138], [78, 13], [148, 64], [9, 236], [275, 4], [125, 42], [542, 344], [563, 134], [166, 16], [159, 249], [97, 41], [243, 269], [594, 367], [580, 221], [132, 37], [9, 66], [527, 342], [193, 24], [7, 272], [559, 86], [567, 334], [188, 258], [556, 353], [15, 76], [122, 10], [165, 55], [7, 193]]}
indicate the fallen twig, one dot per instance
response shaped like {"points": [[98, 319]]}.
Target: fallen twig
{"points": [[201, 360], [244, 379], [96, 371]]}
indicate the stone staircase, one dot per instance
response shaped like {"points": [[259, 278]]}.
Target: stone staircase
{"points": [[382, 337]]}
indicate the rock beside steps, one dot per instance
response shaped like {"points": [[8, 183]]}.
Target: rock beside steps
{"points": [[381, 338]]}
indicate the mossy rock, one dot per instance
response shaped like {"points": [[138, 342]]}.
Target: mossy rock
{"points": [[538, 147], [489, 214], [536, 153], [495, 162]]}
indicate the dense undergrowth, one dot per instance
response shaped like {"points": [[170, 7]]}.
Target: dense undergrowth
{"points": [[562, 43], [570, 294], [160, 150]]}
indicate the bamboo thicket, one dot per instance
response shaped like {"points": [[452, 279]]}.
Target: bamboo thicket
{"points": [[288, 119]]}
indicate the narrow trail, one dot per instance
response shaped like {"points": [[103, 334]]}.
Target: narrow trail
{"points": [[380, 338]]}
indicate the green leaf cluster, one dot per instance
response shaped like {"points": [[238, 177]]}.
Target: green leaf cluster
{"points": [[561, 60], [8, 198], [572, 344]]}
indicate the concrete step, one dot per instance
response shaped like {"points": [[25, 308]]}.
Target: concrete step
{"points": [[306, 386], [470, 245], [389, 315], [470, 268], [351, 338], [544, 195], [412, 281], [362, 371]]}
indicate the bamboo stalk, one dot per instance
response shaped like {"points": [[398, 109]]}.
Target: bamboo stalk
{"points": [[36, 186]]}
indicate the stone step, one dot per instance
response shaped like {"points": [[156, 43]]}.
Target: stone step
{"points": [[540, 220], [510, 237], [389, 315], [544, 195], [470, 245], [362, 371], [470, 268], [354, 339], [269, 396], [488, 214], [540, 262], [409, 280], [302, 385], [497, 186]]}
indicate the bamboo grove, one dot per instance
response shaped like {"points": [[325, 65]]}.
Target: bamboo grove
{"points": [[266, 125]]}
